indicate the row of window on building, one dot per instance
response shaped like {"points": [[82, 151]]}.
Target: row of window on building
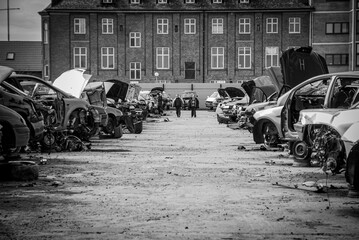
{"points": [[163, 59], [272, 25], [166, 1]]}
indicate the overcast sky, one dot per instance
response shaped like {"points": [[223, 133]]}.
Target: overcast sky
{"points": [[25, 23]]}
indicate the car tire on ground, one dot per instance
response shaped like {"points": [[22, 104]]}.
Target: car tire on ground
{"points": [[19, 171], [302, 154]]}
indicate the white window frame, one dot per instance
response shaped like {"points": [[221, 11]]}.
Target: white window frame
{"points": [[80, 25], [107, 58], [135, 70], [273, 54], [80, 57], [135, 39], [217, 58], [107, 1], [245, 56], [163, 58], [46, 70], [272, 25], [161, 1], [135, 1], [244, 26], [294, 25], [162, 26], [190, 1], [217, 25], [217, 1], [189, 26], [107, 26], [46, 33], [243, 1]]}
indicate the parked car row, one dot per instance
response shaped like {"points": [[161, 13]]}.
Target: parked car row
{"points": [[61, 115]]}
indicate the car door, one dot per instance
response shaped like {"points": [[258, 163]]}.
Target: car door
{"points": [[311, 94]]}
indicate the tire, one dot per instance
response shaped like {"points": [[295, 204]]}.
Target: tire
{"points": [[138, 126], [19, 171], [110, 127], [301, 150], [270, 134], [352, 170]]}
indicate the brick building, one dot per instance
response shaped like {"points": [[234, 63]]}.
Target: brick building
{"points": [[178, 40]]}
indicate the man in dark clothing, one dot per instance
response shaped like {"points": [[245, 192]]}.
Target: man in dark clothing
{"points": [[193, 105], [178, 105], [159, 104]]}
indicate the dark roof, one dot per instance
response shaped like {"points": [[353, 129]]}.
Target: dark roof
{"points": [[175, 5], [28, 55]]}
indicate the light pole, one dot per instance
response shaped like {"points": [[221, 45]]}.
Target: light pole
{"points": [[8, 18], [156, 75]]}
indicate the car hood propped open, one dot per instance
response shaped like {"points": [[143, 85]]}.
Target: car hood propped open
{"points": [[73, 82], [230, 92]]}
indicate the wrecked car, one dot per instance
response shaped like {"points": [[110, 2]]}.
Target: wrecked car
{"points": [[23, 104], [297, 66], [235, 99], [95, 94], [328, 91], [116, 94], [166, 98], [14, 133], [330, 137], [64, 113]]}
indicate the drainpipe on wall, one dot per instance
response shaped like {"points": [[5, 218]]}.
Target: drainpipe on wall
{"points": [[354, 26], [203, 47]]}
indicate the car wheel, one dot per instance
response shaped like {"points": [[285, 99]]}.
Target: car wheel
{"points": [[110, 127], [352, 172], [270, 134], [301, 150]]}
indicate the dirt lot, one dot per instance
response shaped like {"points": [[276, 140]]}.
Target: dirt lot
{"points": [[181, 179]]}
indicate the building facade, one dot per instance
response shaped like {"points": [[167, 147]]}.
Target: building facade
{"points": [[177, 41]]}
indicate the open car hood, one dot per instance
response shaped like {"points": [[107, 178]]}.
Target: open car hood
{"points": [[72, 82], [301, 64], [5, 72], [230, 92], [116, 89], [271, 82], [157, 89]]}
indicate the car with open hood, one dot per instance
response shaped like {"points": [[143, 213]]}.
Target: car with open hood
{"points": [[235, 99], [166, 98], [123, 96], [63, 110], [14, 133], [20, 102], [95, 94], [297, 66]]}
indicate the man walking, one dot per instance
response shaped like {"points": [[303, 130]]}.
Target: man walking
{"points": [[178, 105], [193, 105]]}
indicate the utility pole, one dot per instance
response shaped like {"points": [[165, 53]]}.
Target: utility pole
{"points": [[8, 18]]}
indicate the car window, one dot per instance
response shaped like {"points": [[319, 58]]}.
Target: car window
{"points": [[317, 88], [214, 95]]}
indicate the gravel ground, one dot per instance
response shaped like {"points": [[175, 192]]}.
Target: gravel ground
{"points": [[179, 179]]}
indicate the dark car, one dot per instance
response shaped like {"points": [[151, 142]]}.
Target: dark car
{"points": [[20, 102], [186, 96], [14, 132], [120, 95]]}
